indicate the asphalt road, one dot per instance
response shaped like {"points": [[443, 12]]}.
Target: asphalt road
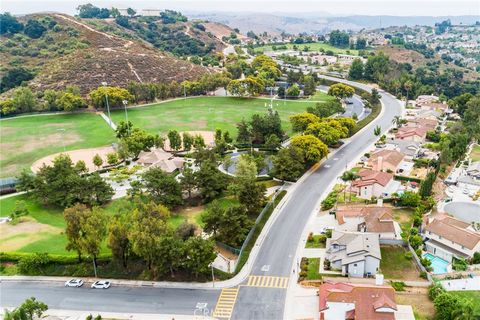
{"points": [[114, 299], [276, 254], [355, 107]]}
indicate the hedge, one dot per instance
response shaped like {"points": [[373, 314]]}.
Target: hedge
{"points": [[53, 258], [402, 178]]}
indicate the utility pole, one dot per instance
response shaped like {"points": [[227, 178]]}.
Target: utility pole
{"points": [[104, 84], [94, 267], [213, 277]]}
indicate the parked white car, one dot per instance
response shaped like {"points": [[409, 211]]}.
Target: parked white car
{"points": [[101, 284], [76, 283]]}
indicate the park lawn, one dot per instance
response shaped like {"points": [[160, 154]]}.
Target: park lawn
{"points": [[27, 139], [312, 47], [207, 113], [394, 265], [316, 243], [472, 296], [320, 96], [475, 154], [404, 217]]}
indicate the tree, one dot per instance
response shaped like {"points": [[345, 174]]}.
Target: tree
{"points": [[112, 158], [377, 131], [115, 95], [97, 161], [94, 190], [74, 217], [212, 217], [210, 181], [186, 230], [338, 38], [170, 253], [397, 121], [273, 142], [131, 12], [309, 85], [30, 309], [409, 199], [124, 129], [326, 109], [93, 230], [361, 44], [293, 91], [377, 67], [226, 137], [198, 142], [313, 150], [445, 304], [251, 195], [349, 176], [175, 140], [9, 24], [341, 91], [188, 181], [162, 187], [15, 77], [200, 254], [356, 70], [288, 164], [24, 100], [139, 140], [118, 240], [329, 132], [245, 167], [300, 121], [426, 186], [187, 141], [34, 29], [244, 133], [25, 181], [68, 101], [122, 21]]}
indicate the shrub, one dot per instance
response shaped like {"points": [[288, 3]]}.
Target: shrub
{"points": [[398, 285], [408, 255], [329, 201], [310, 237], [434, 290], [476, 258], [459, 264], [33, 264], [423, 275]]}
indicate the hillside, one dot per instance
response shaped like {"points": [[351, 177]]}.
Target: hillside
{"points": [[416, 59], [70, 52]]}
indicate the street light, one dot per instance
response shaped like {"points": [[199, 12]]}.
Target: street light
{"points": [[104, 84]]}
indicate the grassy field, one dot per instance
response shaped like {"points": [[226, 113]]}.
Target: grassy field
{"points": [[313, 47], [27, 139], [316, 243], [313, 267], [42, 230], [394, 265], [404, 217], [472, 296], [207, 113], [475, 154]]}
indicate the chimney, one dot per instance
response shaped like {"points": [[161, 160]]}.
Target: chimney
{"points": [[379, 279]]}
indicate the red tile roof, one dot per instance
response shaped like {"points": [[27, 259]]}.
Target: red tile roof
{"points": [[369, 177], [367, 299], [405, 132]]}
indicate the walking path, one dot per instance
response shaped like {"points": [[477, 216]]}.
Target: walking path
{"points": [[108, 121]]}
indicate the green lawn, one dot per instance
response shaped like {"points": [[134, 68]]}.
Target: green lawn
{"points": [[472, 296], [320, 96], [475, 154], [313, 47], [27, 139], [394, 265], [207, 113], [316, 243], [404, 217], [313, 267]]}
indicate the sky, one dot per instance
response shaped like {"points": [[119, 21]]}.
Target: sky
{"points": [[328, 7]]}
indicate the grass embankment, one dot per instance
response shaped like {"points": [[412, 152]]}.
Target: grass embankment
{"points": [[208, 113], [473, 297], [258, 228], [312, 47], [27, 139]]}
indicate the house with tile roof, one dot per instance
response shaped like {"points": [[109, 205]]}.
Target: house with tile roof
{"points": [[429, 124], [417, 134], [373, 183], [385, 160], [339, 301], [161, 159], [408, 148], [447, 237], [371, 219], [356, 254]]}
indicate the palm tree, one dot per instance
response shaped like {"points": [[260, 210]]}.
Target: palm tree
{"points": [[348, 176], [377, 131], [397, 121]]}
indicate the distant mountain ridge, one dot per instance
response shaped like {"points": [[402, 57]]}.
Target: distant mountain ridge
{"points": [[321, 23]]}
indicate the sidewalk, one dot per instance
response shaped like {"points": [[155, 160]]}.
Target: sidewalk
{"points": [[82, 315]]}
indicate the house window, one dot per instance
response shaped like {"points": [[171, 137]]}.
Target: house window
{"points": [[354, 264]]}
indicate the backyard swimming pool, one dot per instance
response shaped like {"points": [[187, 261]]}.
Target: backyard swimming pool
{"points": [[438, 264]]}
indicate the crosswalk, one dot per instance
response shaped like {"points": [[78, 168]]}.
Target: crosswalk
{"points": [[225, 303], [267, 282]]}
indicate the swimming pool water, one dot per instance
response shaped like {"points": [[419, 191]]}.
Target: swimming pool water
{"points": [[438, 264]]}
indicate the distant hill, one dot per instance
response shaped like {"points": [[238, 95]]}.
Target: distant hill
{"points": [[72, 52], [319, 23]]}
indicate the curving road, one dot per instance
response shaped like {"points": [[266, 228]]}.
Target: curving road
{"points": [[276, 255]]}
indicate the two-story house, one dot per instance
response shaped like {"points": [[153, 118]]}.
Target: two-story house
{"points": [[374, 184], [355, 254], [340, 301], [375, 220], [447, 237]]}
